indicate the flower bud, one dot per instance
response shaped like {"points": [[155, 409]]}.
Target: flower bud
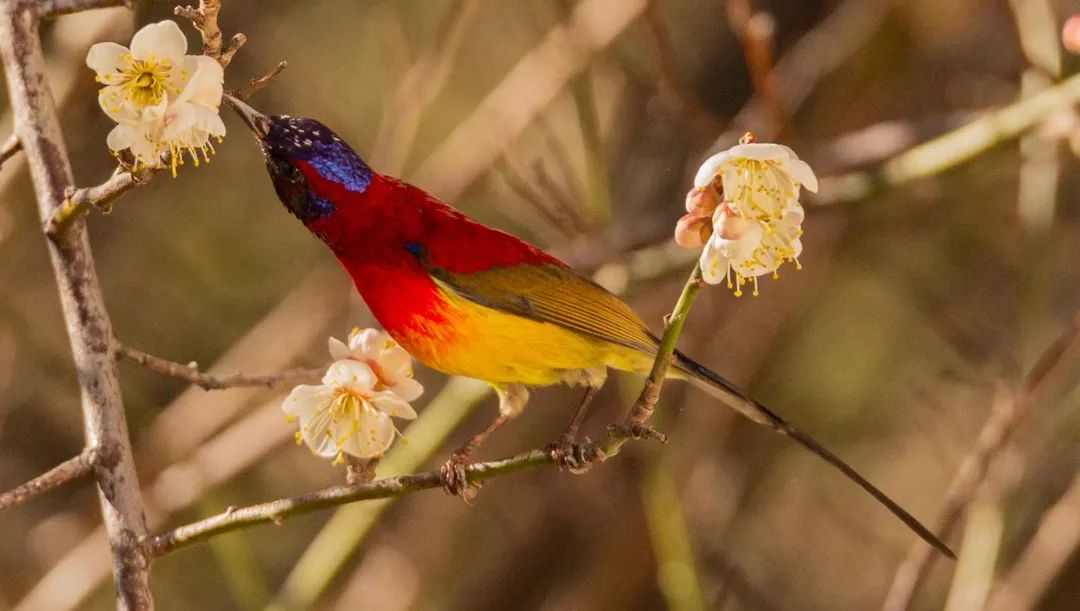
{"points": [[701, 201], [728, 224], [1070, 34], [692, 231]]}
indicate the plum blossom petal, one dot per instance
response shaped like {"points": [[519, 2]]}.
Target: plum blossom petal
{"points": [[392, 364], [350, 412], [168, 101]]}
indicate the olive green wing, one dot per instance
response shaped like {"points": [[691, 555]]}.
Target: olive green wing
{"points": [[552, 294]]}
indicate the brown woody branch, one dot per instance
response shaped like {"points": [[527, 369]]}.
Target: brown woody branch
{"points": [[208, 381], [71, 469], [78, 201], [205, 19], [53, 8], [277, 511], [256, 85], [9, 148], [86, 320]]}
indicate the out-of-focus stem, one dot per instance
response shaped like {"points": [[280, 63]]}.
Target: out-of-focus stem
{"points": [[955, 147]]}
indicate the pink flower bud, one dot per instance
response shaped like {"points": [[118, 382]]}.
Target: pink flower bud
{"points": [[729, 225], [692, 231], [702, 201], [1070, 34]]}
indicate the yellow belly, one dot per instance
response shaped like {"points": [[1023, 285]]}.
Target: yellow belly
{"points": [[483, 343]]}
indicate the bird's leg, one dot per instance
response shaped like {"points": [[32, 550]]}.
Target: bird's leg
{"points": [[567, 454], [512, 399]]}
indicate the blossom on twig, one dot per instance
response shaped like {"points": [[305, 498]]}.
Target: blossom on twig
{"points": [[745, 210], [165, 103], [369, 382]]}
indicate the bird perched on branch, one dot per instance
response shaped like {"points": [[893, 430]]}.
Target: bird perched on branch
{"points": [[473, 301]]}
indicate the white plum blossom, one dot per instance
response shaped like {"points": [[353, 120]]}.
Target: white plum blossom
{"points": [[369, 382], [346, 414], [759, 179], [758, 224], [753, 249], [163, 101], [390, 362]]}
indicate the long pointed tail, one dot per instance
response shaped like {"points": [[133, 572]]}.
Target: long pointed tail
{"points": [[716, 385]]}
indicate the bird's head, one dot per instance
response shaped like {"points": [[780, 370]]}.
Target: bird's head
{"points": [[313, 170]]}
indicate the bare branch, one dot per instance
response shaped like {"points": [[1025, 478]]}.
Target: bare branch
{"points": [[73, 468], [78, 201], [997, 431], [258, 84], [9, 148], [205, 19], [52, 8], [277, 511], [88, 326], [208, 381], [235, 43]]}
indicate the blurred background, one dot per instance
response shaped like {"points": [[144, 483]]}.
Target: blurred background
{"points": [[933, 281]]}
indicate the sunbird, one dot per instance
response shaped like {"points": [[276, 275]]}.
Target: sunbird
{"points": [[470, 300]]}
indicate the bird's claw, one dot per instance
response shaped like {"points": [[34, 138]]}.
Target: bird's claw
{"points": [[455, 479], [577, 458]]}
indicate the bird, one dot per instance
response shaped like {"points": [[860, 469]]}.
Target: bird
{"points": [[471, 300]]}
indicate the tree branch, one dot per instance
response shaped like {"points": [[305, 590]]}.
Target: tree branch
{"points": [[9, 148], [633, 427], [78, 201], [256, 85], [88, 325], [73, 468], [209, 381], [53, 8], [205, 20], [997, 431]]}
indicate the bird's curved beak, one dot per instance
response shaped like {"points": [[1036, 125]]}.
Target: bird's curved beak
{"points": [[258, 122]]}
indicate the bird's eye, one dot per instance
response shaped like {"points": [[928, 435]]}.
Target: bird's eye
{"points": [[292, 174]]}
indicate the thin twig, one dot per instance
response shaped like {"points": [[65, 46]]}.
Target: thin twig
{"points": [[9, 148], [755, 31], [256, 85], [998, 429], [71, 469], [210, 381], [817, 54], [277, 511], [78, 201]]}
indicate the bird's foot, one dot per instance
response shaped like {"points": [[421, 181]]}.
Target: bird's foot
{"points": [[454, 476], [577, 458]]}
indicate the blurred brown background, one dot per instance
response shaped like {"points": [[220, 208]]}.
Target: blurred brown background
{"points": [[916, 303]]}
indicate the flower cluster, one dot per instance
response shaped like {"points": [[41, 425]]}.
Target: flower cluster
{"points": [[165, 103], [369, 382], [744, 209]]}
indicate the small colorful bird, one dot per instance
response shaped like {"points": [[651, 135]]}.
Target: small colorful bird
{"points": [[473, 301]]}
